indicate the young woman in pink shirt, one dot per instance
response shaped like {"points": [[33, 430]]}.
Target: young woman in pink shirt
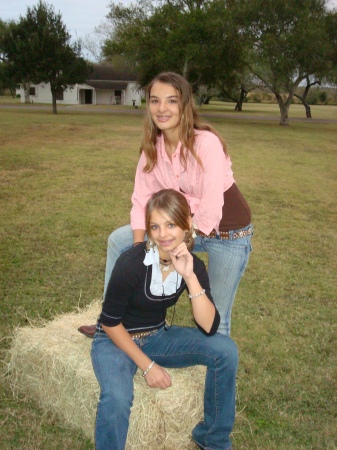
{"points": [[180, 152]]}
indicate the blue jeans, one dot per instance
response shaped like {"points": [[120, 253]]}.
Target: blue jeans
{"points": [[227, 261], [176, 348]]}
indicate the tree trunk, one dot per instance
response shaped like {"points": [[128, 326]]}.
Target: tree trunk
{"points": [[238, 105], [208, 98], [307, 110], [306, 105], [239, 102], [284, 108], [26, 88], [284, 120], [185, 69], [304, 99], [53, 93]]}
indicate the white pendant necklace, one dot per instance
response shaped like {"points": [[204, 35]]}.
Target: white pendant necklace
{"points": [[164, 264]]}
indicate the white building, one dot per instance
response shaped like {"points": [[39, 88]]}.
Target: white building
{"points": [[103, 87]]}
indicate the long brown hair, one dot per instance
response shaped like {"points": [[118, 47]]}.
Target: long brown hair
{"points": [[173, 204], [189, 121]]}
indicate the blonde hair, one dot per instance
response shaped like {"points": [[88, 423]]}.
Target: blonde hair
{"points": [[189, 121]]}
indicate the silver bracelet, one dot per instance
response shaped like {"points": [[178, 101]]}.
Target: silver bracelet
{"points": [[197, 295], [148, 369]]}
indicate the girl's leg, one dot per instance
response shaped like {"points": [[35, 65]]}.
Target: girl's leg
{"points": [[227, 261], [114, 371], [118, 241], [184, 347]]}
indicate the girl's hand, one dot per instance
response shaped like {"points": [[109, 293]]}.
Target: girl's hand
{"points": [[157, 377], [182, 260]]}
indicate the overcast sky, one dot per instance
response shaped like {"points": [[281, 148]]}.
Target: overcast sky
{"points": [[80, 17]]}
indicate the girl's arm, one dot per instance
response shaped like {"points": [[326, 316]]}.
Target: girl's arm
{"points": [[216, 177], [145, 186], [124, 279], [204, 311], [138, 236], [157, 375]]}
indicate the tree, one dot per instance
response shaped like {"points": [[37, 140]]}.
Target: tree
{"points": [[191, 37], [94, 43], [7, 81], [329, 74], [38, 49], [289, 42], [303, 97], [331, 26], [237, 86], [3, 29]]}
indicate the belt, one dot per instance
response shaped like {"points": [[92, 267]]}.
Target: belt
{"points": [[229, 235], [144, 333]]}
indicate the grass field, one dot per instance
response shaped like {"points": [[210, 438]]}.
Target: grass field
{"points": [[66, 182]]}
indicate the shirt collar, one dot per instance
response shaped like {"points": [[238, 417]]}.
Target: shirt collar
{"points": [[151, 257], [157, 287]]}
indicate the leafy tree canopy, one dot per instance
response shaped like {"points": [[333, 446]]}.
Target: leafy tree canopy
{"points": [[288, 42], [7, 82], [38, 49], [195, 38]]}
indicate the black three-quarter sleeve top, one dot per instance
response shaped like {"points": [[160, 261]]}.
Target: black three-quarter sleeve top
{"points": [[128, 298]]}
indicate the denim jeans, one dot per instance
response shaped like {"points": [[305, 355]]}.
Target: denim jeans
{"points": [[176, 348], [227, 261]]}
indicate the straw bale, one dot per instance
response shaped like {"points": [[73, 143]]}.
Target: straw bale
{"points": [[51, 364]]}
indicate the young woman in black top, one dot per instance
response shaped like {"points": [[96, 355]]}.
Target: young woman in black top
{"points": [[132, 332]]}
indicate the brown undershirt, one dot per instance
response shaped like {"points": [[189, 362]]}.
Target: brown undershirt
{"points": [[236, 212]]}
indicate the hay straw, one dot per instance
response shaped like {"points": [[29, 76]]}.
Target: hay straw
{"points": [[52, 365]]}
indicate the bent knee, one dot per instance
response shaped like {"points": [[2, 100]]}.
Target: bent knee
{"points": [[227, 350], [114, 397]]}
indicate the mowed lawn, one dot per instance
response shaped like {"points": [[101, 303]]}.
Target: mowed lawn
{"points": [[66, 182]]}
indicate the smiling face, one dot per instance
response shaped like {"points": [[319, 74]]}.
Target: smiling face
{"points": [[165, 233], [164, 107]]}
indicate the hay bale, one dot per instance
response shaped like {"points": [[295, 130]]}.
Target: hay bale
{"points": [[51, 364]]}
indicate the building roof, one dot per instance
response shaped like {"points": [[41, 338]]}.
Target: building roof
{"points": [[108, 72], [107, 84], [104, 76]]}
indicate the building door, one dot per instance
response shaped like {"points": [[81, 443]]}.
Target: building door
{"points": [[118, 97], [88, 96]]}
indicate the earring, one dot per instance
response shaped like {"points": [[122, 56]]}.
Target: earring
{"points": [[189, 241], [149, 244]]}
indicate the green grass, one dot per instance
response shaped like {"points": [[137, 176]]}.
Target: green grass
{"points": [[66, 182], [272, 110]]}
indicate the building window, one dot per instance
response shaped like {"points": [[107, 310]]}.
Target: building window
{"points": [[59, 95], [32, 91]]}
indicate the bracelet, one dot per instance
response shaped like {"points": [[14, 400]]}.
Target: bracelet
{"points": [[146, 371], [197, 295], [136, 243]]}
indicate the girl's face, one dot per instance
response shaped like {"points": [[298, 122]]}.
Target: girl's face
{"points": [[164, 232], [164, 107]]}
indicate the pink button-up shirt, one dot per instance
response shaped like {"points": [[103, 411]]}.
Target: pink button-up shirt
{"points": [[202, 187]]}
